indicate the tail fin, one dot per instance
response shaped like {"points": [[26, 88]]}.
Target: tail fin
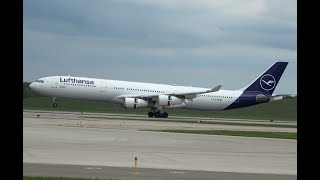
{"points": [[267, 82]]}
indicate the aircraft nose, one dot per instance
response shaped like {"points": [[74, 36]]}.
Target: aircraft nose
{"points": [[32, 85]]}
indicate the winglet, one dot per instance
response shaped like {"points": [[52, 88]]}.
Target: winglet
{"points": [[217, 88]]}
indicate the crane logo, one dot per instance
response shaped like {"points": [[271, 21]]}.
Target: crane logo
{"points": [[267, 82]]}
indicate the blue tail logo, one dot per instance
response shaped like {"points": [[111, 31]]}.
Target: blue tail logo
{"points": [[267, 82]]}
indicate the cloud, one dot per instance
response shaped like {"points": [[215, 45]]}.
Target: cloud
{"points": [[208, 36]]}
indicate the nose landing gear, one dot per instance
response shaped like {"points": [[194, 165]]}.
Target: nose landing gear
{"points": [[54, 102]]}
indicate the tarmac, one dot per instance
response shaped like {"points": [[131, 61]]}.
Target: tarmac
{"points": [[59, 139]]}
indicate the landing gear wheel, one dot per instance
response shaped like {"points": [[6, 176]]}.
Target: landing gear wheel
{"points": [[157, 114], [55, 105], [150, 114], [165, 115]]}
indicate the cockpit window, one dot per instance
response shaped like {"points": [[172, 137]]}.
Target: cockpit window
{"points": [[40, 81]]}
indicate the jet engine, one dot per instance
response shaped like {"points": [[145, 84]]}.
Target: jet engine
{"points": [[166, 100], [135, 103], [262, 98]]}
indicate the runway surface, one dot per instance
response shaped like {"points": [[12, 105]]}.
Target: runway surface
{"points": [[76, 120], [66, 138], [144, 117], [104, 172], [97, 120]]}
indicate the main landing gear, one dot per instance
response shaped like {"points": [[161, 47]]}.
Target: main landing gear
{"points": [[158, 114], [54, 102]]}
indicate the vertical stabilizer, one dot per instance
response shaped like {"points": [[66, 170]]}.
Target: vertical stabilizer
{"points": [[267, 82]]}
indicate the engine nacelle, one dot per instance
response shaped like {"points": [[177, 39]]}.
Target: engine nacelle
{"points": [[135, 103], [262, 98], [166, 100]]}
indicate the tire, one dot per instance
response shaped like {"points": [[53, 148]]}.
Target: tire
{"points": [[150, 114], [55, 105], [165, 115], [157, 114]]}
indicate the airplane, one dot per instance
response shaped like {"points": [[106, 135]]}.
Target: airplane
{"points": [[160, 96]]}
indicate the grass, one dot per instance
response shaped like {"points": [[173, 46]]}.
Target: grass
{"points": [[53, 178], [281, 135], [285, 109]]}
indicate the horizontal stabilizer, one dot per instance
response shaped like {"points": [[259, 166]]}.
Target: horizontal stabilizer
{"points": [[278, 97], [283, 95]]}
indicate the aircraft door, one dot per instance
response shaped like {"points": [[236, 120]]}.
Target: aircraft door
{"points": [[103, 90], [103, 87]]}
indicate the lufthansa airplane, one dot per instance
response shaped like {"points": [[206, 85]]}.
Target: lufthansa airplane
{"points": [[160, 96]]}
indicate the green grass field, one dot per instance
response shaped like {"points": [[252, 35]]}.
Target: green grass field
{"points": [[281, 135], [285, 109]]}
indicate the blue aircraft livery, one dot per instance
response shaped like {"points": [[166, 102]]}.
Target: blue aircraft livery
{"points": [[267, 82]]}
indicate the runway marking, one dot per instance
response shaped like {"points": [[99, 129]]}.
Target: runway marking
{"points": [[89, 168], [176, 172]]}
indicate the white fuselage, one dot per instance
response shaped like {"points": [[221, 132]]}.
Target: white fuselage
{"points": [[160, 96], [111, 90]]}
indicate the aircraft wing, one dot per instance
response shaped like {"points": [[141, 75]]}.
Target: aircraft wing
{"points": [[186, 95], [191, 95]]}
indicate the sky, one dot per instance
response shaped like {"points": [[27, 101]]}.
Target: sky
{"points": [[199, 43]]}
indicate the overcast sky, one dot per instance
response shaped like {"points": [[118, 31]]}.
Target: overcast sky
{"points": [[185, 42]]}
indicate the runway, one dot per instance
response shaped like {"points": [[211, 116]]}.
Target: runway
{"points": [[144, 117], [104, 172], [66, 138], [97, 120], [75, 120]]}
